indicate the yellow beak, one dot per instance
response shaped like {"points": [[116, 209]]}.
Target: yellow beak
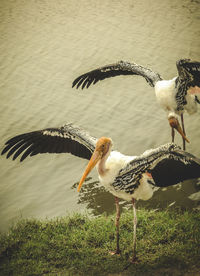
{"points": [[93, 161]]}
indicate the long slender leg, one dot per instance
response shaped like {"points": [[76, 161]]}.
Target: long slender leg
{"points": [[134, 258], [117, 251], [183, 128], [173, 134]]}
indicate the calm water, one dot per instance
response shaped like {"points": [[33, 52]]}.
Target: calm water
{"points": [[44, 45]]}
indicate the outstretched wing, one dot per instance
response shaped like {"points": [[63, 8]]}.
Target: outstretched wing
{"points": [[188, 80], [116, 69], [66, 139], [174, 167], [168, 165]]}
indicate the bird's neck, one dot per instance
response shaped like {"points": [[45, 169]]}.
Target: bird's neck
{"points": [[101, 167]]}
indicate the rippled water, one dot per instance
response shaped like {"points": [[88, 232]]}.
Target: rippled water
{"points": [[44, 45]]}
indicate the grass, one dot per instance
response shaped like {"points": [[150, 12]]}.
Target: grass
{"points": [[168, 243]]}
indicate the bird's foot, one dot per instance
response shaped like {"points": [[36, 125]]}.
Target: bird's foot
{"points": [[134, 259], [116, 252]]}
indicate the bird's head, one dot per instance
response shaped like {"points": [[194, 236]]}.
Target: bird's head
{"points": [[102, 149], [174, 123]]}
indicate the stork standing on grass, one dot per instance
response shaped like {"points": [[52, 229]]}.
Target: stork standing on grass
{"points": [[127, 177], [175, 96]]}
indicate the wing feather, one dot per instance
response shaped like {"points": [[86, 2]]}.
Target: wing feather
{"points": [[66, 139], [168, 165], [26, 153], [189, 72], [188, 78], [17, 150], [113, 70], [176, 167]]}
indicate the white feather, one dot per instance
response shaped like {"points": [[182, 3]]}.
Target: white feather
{"points": [[165, 94], [115, 162]]}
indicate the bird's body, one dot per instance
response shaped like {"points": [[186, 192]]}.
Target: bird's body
{"points": [[175, 96], [127, 177], [165, 95], [114, 164]]}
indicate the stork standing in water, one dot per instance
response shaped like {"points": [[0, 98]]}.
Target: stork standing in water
{"points": [[174, 96], [127, 177]]}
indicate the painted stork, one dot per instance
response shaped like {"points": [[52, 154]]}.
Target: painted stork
{"points": [[127, 177], [175, 96]]}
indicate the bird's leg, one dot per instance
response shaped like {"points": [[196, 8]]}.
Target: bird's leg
{"points": [[117, 251], [183, 127], [134, 258], [173, 135], [117, 223]]}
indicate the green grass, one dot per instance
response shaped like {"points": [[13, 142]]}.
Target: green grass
{"points": [[168, 243]]}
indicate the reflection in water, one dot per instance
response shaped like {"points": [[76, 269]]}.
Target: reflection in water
{"points": [[99, 201]]}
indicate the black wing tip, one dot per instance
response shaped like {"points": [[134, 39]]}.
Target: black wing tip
{"points": [[6, 149], [21, 159], [12, 155], [82, 82], [78, 81], [3, 151], [75, 84], [19, 145]]}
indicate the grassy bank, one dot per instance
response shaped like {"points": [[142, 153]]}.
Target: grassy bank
{"points": [[168, 244]]}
